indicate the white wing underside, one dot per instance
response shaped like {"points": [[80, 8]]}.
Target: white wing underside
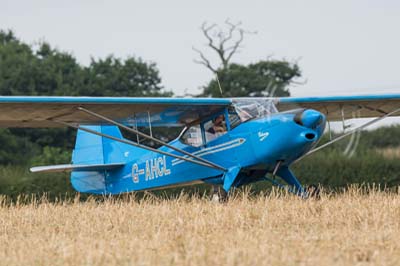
{"points": [[75, 167]]}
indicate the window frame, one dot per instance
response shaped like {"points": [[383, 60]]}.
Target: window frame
{"points": [[204, 142]]}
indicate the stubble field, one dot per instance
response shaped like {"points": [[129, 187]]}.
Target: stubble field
{"points": [[352, 228]]}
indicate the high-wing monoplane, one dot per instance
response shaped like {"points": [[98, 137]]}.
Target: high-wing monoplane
{"points": [[227, 142]]}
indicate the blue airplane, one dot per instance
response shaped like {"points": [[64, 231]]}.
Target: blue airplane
{"points": [[225, 142]]}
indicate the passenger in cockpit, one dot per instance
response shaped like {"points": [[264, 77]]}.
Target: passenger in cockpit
{"points": [[219, 126]]}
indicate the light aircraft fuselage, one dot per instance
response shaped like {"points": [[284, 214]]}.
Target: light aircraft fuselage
{"points": [[256, 145]]}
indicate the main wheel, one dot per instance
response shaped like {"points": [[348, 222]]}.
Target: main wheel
{"points": [[218, 194]]}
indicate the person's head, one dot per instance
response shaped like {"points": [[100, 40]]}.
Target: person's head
{"points": [[219, 119]]}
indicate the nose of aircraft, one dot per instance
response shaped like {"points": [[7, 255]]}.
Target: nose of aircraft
{"points": [[309, 118]]}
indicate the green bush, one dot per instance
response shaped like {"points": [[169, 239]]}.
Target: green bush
{"points": [[333, 169], [52, 155], [17, 180]]}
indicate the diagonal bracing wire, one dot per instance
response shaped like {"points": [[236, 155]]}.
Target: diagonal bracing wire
{"points": [[137, 145], [211, 164]]}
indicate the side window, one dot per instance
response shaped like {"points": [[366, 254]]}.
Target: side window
{"points": [[234, 119], [215, 128], [192, 136]]}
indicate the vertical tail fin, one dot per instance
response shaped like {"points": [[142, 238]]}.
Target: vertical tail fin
{"points": [[94, 149]]}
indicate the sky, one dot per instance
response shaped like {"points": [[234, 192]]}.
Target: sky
{"points": [[342, 46]]}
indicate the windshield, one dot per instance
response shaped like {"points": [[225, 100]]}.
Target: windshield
{"points": [[254, 108]]}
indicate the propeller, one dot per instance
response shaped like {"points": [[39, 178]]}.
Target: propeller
{"points": [[352, 144]]}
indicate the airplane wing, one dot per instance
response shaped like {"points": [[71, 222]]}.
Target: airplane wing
{"points": [[344, 107], [42, 111], [37, 111]]}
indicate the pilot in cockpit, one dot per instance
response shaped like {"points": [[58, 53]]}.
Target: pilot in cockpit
{"points": [[219, 126]]}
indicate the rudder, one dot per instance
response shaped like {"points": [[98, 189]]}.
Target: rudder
{"points": [[93, 149]]}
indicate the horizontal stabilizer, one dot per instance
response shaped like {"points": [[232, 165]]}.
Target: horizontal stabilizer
{"points": [[75, 167]]}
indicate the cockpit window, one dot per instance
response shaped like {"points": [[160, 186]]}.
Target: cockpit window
{"points": [[254, 108], [192, 136], [241, 110], [215, 127]]}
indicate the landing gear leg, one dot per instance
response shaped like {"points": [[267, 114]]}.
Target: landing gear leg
{"points": [[295, 187], [218, 194], [291, 180], [294, 184]]}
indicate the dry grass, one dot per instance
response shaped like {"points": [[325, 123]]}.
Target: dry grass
{"points": [[345, 229]]}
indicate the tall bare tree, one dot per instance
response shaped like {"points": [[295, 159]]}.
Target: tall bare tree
{"points": [[224, 41], [266, 77]]}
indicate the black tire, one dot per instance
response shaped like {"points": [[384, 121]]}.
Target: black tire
{"points": [[219, 194]]}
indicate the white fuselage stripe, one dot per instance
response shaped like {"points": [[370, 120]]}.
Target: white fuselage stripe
{"points": [[215, 149], [199, 152]]}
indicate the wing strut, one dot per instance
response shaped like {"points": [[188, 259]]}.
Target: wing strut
{"points": [[349, 133], [140, 145], [216, 166]]}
